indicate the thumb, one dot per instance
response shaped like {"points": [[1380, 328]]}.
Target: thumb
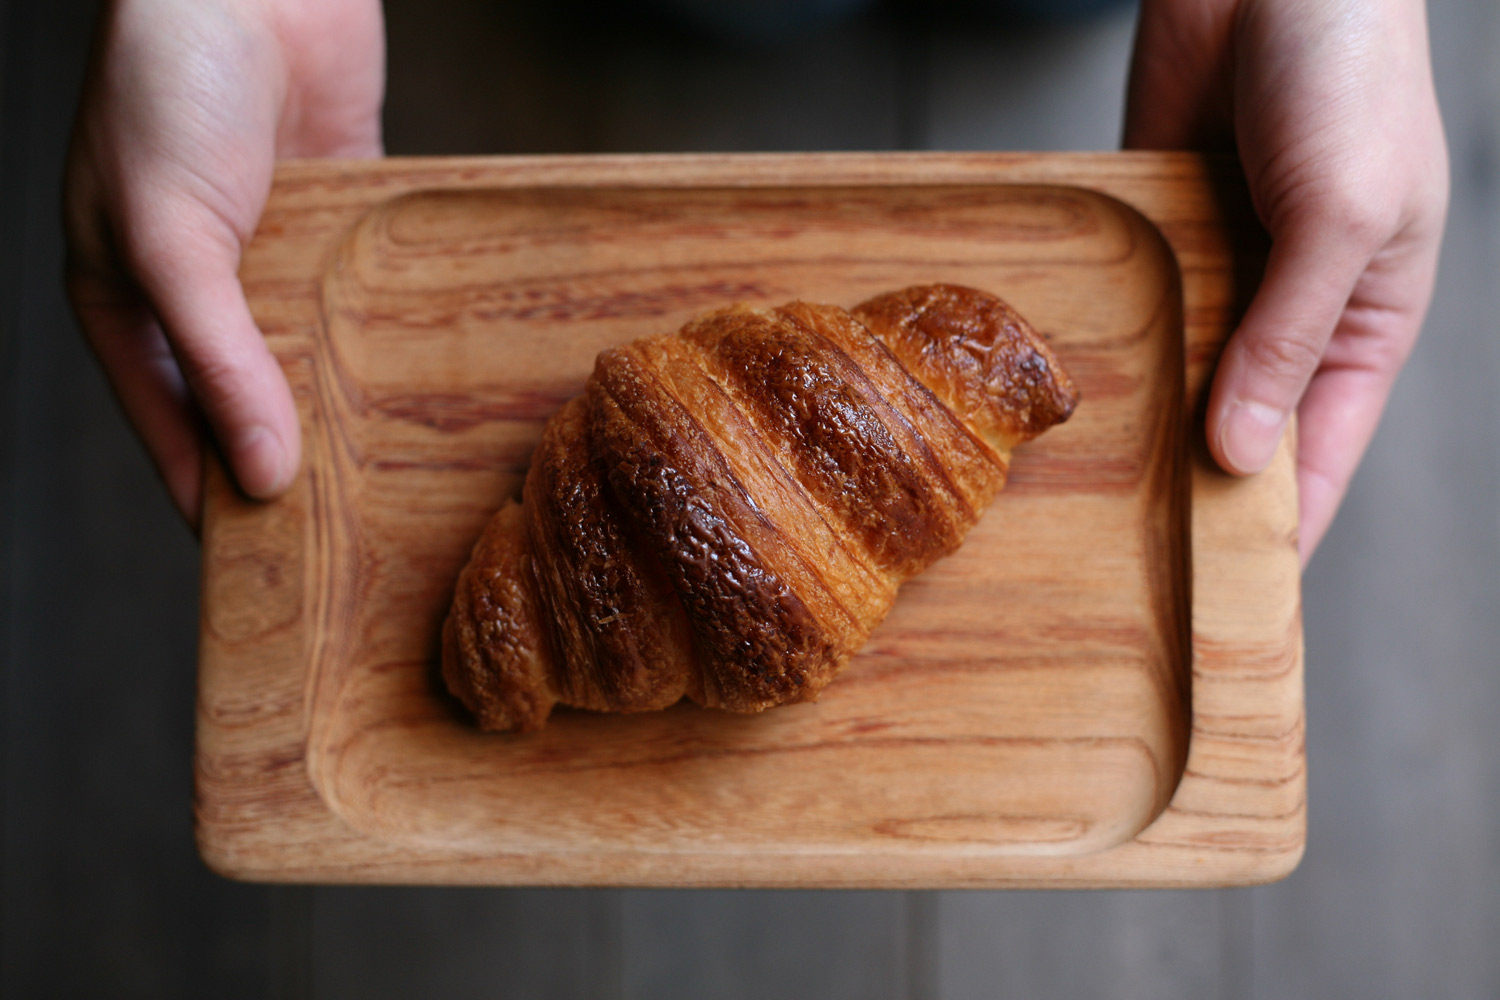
{"points": [[1268, 362], [186, 261]]}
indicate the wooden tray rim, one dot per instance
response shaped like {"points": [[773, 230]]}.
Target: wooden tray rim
{"points": [[259, 815]]}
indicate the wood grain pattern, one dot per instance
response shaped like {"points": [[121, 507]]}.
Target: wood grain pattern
{"points": [[1103, 687]]}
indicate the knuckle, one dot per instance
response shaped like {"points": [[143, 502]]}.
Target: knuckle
{"points": [[146, 250], [172, 239], [1287, 360], [1387, 354], [151, 246], [1359, 214], [217, 382]]}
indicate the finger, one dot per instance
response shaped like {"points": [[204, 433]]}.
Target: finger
{"points": [[136, 359], [1335, 423], [1269, 360], [190, 279]]}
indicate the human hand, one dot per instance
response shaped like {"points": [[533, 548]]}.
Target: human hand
{"points": [[1330, 104], [187, 106]]}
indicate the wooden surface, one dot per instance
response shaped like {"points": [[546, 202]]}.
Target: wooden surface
{"points": [[1102, 687], [104, 895]]}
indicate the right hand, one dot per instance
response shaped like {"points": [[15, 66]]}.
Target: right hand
{"points": [[187, 106], [1331, 108]]}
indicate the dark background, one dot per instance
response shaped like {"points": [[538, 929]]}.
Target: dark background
{"points": [[103, 894]]}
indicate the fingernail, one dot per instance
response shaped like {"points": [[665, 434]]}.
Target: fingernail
{"points": [[1249, 435], [260, 463]]}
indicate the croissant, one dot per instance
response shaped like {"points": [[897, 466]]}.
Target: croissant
{"points": [[727, 511]]}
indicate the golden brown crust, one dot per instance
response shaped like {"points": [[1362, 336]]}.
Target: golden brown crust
{"points": [[947, 447], [494, 659], [727, 511], [831, 429], [612, 624], [978, 355], [757, 640]]}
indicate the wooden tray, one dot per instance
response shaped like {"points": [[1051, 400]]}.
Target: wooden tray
{"points": [[1102, 688]]}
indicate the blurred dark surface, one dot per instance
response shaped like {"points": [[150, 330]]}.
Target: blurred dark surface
{"points": [[103, 894]]}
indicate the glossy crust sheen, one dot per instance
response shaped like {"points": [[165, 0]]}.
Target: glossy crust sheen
{"points": [[727, 511]]}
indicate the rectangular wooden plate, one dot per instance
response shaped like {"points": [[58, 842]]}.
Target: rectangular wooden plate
{"points": [[1103, 687]]}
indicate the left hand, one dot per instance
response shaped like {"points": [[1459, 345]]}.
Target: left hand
{"points": [[1331, 108], [188, 105]]}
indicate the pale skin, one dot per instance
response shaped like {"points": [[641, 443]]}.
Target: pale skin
{"points": [[1328, 103], [188, 105]]}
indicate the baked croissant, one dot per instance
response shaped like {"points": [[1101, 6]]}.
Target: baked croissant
{"points": [[727, 511]]}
